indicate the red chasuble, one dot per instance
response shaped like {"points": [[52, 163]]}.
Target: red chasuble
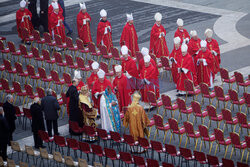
{"points": [[122, 91], [91, 80], [213, 45], [204, 71], [186, 62], [193, 46], [83, 27], [99, 87], [129, 65], [182, 34], [24, 22], [50, 11], [141, 64], [158, 46], [56, 27], [175, 59], [151, 74], [129, 38], [104, 39], [80, 85]]}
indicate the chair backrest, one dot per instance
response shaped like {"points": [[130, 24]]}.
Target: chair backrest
{"points": [[46, 54], [23, 49], [129, 139], [36, 35], [213, 160], [203, 131], [27, 113], [57, 157], [59, 140], [69, 161], [11, 46], [2, 47], [226, 114], [139, 56], [64, 98], [102, 133], [219, 92], [92, 48], [115, 52], [42, 73], [196, 107], [79, 44], [224, 73], [82, 162], [233, 95], [96, 149], [110, 153], [69, 60], [143, 142], [158, 120], [125, 156], [242, 118], [247, 139], [227, 162], [247, 98], [80, 62], [164, 164], [240, 164], [152, 163], [69, 42], [55, 76], [204, 88], [151, 97], [11, 163], [58, 40], [7, 65], [181, 104], [166, 100], [25, 33], [40, 92], [84, 147], [115, 136], [5, 84], [186, 153], [189, 127], [139, 161], [211, 111], [165, 62], [153, 57], [189, 85], [17, 87], [47, 37], [31, 70], [239, 77], [89, 130], [72, 143], [199, 156], [44, 135], [171, 149], [44, 153], [156, 145], [235, 138], [19, 68], [219, 135], [58, 57], [173, 124], [67, 78], [35, 52], [103, 50], [104, 67]]}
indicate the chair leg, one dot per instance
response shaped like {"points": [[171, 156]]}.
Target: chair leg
{"points": [[226, 152], [216, 149], [232, 152], [242, 155], [211, 146]]}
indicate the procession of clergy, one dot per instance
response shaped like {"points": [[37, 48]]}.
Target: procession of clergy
{"points": [[191, 58]]}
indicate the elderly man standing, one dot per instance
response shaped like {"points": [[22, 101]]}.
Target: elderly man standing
{"points": [[37, 122], [10, 115], [182, 32], [4, 135], [50, 106]]}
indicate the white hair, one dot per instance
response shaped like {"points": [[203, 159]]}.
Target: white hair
{"points": [[49, 91], [36, 99], [1, 110], [8, 97]]}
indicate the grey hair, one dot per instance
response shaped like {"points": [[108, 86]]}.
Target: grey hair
{"points": [[36, 99], [8, 97], [1, 109], [49, 91]]}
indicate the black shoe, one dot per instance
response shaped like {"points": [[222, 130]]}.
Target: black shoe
{"points": [[179, 95], [28, 43], [70, 32]]}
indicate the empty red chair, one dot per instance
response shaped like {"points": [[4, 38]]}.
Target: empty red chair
{"points": [[167, 103], [126, 157], [198, 112], [27, 116], [105, 54], [9, 69], [206, 137], [46, 139], [175, 129], [38, 39], [139, 161], [60, 143], [84, 147], [116, 137], [70, 62], [19, 114], [144, 143], [171, 150], [90, 132], [93, 51], [206, 93], [81, 65], [236, 143], [186, 154], [157, 146], [116, 55], [48, 59], [20, 71], [247, 139], [213, 116], [56, 80], [111, 154], [213, 161], [228, 119], [240, 81], [97, 150], [44, 77], [227, 163], [6, 87], [37, 56], [25, 53], [166, 66], [191, 133], [226, 78], [129, 140], [67, 79], [59, 61], [240, 164], [247, 101], [190, 89], [153, 101], [105, 68], [72, 144], [200, 157], [102, 133], [48, 40], [70, 46], [27, 36], [152, 163], [235, 100], [3, 49], [40, 91], [159, 125], [242, 118], [74, 126], [32, 74], [220, 140], [18, 91], [183, 109], [81, 48], [219, 92], [60, 43], [13, 50]]}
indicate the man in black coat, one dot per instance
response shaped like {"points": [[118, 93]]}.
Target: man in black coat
{"points": [[10, 115], [75, 113], [50, 106], [4, 135], [37, 122]]}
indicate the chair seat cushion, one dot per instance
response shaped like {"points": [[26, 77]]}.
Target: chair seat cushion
{"points": [[159, 103], [173, 107], [225, 98], [210, 138], [240, 102], [195, 92], [202, 114], [152, 122], [227, 141], [218, 118], [188, 111], [230, 80], [196, 134], [234, 121], [246, 125], [246, 83], [242, 145], [107, 56], [180, 131], [211, 95], [165, 127]]}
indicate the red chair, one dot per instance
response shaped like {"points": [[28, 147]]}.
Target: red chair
{"points": [[38, 39], [227, 163], [139, 161], [72, 144], [186, 154], [239, 164], [45, 138], [6, 87], [200, 157], [49, 42], [174, 128], [144, 143], [198, 112], [219, 92], [13, 50], [116, 55], [152, 163], [90, 132], [158, 62], [235, 100], [46, 56], [60, 143], [164, 164], [37, 56], [247, 101], [59, 43], [97, 150], [247, 139], [20, 71], [226, 78], [129, 140], [111, 154], [242, 118], [70, 62], [150, 125], [67, 79], [84, 147], [19, 114], [59, 61], [240, 81], [166, 66], [19, 92], [190, 89], [160, 126], [213, 116], [81, 65], [70, 46], [236, 143], [56, 80], [25, 53], [189, 128], [9, 69], [228, 119], [93, 51], [138, 56], [206, 93], [27, 115], [167, 103], [171, 150], [105, 54], [65, 102], [105, 68], [74, 126], [116, 137], [152, 99], [157, 146], [32, 74], [213, 161], [102, 133], [40, 91], [44, 77], [3, 49], [220, 140], [126, 157], [206, 137], [27, 36], [81, 48], [183, 109]]}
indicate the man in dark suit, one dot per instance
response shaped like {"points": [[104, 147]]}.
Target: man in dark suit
{"points": [[4, 135], [37, 122], [10, 115], [50, 106]]}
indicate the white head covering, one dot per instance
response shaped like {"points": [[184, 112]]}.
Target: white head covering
{"points": [[23, 4], [77, 74], [103, 13], [95, 65], [129, 17], [82, 5], [144, 51], [146, 58], [193, 33], [184, 48], [180, 22], [177, 40], [55, 5], [100, 73], [54, 0], [118, 68], [209, 33], [203, 43], [158, 16], [124, 50]]}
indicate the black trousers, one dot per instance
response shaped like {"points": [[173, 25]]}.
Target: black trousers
{"points": [[44, 14], [3, 150], [37, 140], [51, 123], [11, 136]]}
